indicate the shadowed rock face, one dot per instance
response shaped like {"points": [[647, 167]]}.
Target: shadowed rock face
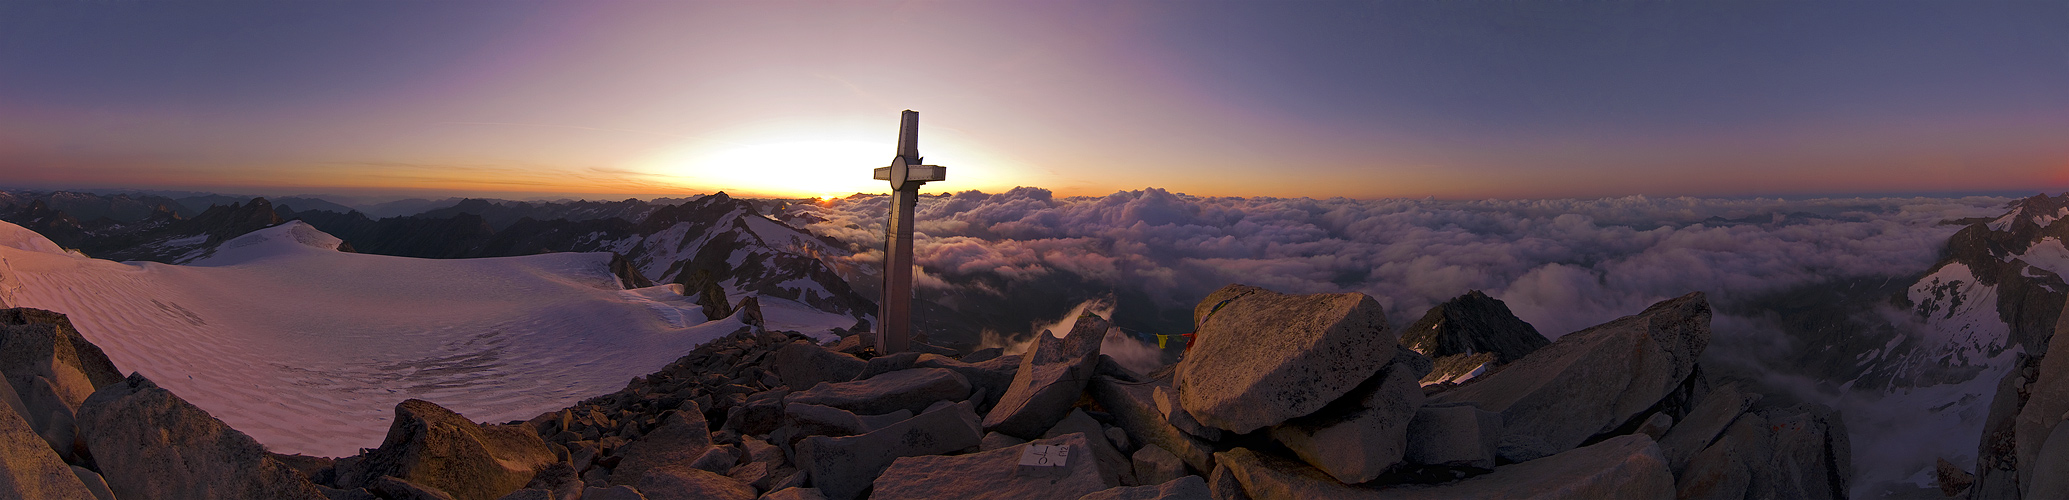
{"points": [[1052, 376], [1593, 380], [1473, 323], [152, 444], [28, 467], [994, 474], [1262, 357], [434, 447]]}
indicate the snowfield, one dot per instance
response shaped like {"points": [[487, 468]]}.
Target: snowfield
{"points": [[309, 349]]}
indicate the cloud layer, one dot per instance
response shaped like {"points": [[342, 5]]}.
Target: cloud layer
{"points": [[1560, 264]]}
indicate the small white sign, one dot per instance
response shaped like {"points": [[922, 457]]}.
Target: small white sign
{"points": [[1042, 455]]}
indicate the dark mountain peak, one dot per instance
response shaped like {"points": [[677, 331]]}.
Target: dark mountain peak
{"points": [[1473, 323]]}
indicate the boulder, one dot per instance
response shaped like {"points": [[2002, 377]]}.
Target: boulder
{"points": [[1154, 465], [558, 480], [795, 493], [992, 376], [992, 474], [1364, 433], [431, 446], [1052, 376], [1656, 426], [1454, 435], [678, 482], [894, 362], [1182, 488], [1114, 467], [1704, 423], [29, 468], [760, 414], [843, 467], [152, 444], [1223, 485], [803, 365], [1626, 466], [1953, 480], [1473, 323], [994, 440], [1812, 454], [1261, 357], [60, 343], [910, 390], [682, 437], [529, 494], [619, 492], [94, 483], [397, 489], [1591, 381], [51, 370], [1134, 410], [1725, 468], [1174, 414]]}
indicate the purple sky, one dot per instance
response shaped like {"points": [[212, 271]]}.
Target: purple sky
{"points": [[1357, 99]]}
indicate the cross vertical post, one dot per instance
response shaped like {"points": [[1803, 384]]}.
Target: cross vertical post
{"points": [[906, 174]]}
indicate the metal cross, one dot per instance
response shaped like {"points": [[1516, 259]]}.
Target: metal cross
{"points": [[906, 173]]}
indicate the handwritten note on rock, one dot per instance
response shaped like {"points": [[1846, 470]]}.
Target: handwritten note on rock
{"points": [[1042, 455]]}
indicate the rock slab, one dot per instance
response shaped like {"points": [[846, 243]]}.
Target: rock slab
{"points": [[1261, 357], [992, 474], [153, 445], [1052, 376], [1364, 433], [434, 447]]}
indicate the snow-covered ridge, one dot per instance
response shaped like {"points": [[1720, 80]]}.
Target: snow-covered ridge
{"points": [[308, 349]]}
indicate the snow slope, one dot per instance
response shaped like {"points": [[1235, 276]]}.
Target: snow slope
{"points": [[308, 349]]}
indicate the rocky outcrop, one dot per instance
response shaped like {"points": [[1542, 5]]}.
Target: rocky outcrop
{"points": [[681, 438], [1364, 433], [1454, 435], [29, 468], [1591, 381], [1052, 376], [1795, 452], [1261, 357], [432, 446], [1473, 323], [50, 370], [994, 474], [151, 444], [804, 365], [844, 467], [910, 390]]}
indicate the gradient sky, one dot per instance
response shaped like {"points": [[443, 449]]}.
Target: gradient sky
{"points": [[1356, 99]]}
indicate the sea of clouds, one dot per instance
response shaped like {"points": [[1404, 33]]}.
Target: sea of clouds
{"points": [[1562, 265]]}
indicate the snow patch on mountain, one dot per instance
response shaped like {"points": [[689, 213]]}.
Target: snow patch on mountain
{"points": [[308, 349]]}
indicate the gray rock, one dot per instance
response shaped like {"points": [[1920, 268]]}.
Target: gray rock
{"points": [[982, 355], [803, 365], [529, 494], [1591, 381], [910, 390], [802, 420], [717, 459], [620, 492], [1134, 410], [1363, 433], [843, 467], [1454, 435], [431, 446], [682, 437], [994, 440], [558, 480], [677, 482], [795, 493], [1725, 468], [94, 483], [1261, 357], [32, 337], [1174, 414], [351, 494], [1051, 377], [890, 363], [1703, 424], [1812, 453], [1114, 467], [2048, 400], [1154, 465], [1183, 488], [398, 489], [1223, 485], [152, 444], [993, 377], [874, 422], [29, 468], [1656, 425], [992, 474], [1120, 440], [2051, 465], [760, 415], [1473, 323], [1622, 467]]}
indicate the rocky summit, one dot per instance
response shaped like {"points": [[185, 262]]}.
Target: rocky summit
{"points": [[1285, 396]]}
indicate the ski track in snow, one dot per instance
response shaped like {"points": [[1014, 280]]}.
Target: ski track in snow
{"points": [[308, 349]]}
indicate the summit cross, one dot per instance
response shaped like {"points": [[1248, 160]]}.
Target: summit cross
{"points": [[906, 173]]}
